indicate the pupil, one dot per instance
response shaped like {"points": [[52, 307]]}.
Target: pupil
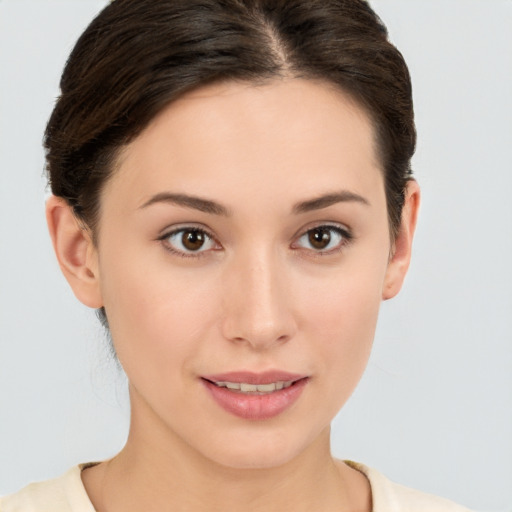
{"points": [[193, 240], [319, 238]]}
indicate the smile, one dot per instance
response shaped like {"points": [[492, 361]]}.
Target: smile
{"points": [[255, 396], [254, 389]]}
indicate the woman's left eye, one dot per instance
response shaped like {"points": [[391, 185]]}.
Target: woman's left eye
{"points": [[189, 241], [323, 239]]}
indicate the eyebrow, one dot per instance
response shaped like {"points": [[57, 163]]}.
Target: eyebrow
{"points": [[209, 206], [326, 200], [197, 203]]}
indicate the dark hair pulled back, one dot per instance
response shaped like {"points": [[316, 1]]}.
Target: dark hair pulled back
{"points": [[137, 56]]}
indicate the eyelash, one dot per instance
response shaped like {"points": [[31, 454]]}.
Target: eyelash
{"points": [[344, 233], [190, 229]]}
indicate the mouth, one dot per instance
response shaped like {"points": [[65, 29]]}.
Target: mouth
{"points": [[254, 389], [255, 396]]}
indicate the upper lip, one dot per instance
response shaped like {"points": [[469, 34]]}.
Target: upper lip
{"points": [[266, 377]]}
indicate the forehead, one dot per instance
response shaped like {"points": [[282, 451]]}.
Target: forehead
{"points": [[293, 134]]}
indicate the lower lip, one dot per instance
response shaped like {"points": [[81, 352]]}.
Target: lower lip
{"points": [[256, 407]]}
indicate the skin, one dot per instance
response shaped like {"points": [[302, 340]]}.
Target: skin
{"points": [[257, 296]]}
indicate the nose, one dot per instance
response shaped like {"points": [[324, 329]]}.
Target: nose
{"points": [[257, 302]]}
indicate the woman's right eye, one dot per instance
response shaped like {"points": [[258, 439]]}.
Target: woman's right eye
{"points": [[188, 242]]}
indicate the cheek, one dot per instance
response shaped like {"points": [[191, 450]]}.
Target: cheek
{"points": [[156, 317], [341, 318], [345, 319]]}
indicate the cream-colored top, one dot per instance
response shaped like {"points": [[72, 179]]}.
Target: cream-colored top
{"points": [[67, 494]]}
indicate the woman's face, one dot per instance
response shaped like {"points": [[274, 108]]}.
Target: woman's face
{"points": [[244, 240]]}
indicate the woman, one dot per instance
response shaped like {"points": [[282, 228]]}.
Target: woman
{"points": [[232, 192]]}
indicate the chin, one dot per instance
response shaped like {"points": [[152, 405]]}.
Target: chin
{"points": [[259, 450]]}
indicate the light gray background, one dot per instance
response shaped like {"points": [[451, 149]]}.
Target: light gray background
{"points": [[434, 410]]}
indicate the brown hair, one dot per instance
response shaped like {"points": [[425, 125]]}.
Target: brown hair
{"points": [[136, 56]]}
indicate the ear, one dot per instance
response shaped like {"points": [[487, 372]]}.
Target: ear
{"points": [[401, 250], [75, 251]]}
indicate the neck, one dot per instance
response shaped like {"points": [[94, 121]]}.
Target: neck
{"points": [[161, 472]]}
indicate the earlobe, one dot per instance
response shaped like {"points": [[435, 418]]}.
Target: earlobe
{"points": [[402, 247], [75, 252]]}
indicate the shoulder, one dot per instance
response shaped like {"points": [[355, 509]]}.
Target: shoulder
{"points": [[63, 494], [388, 496]]}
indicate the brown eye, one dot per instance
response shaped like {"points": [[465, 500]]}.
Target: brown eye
{"points": [[323, 239], [319, 238], [187, 241], [193, 240]]}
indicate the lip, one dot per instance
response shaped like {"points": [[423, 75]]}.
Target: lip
{"points": [[255, 407]]}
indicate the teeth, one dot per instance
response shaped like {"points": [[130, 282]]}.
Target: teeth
{"points": [[265, 388], [244, 387]]}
